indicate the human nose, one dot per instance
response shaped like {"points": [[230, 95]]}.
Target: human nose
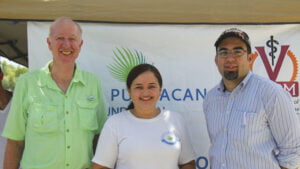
{"points": [[145, 91], [226, 54], [66, 43], [230, 54]]}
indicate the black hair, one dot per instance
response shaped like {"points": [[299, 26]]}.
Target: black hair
{"points": [[136, 71]]}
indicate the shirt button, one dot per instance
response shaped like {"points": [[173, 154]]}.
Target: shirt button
{"points": [[67, 130], [68, 147], [223, 165], [228, 112], [67, 165], [67, 112]]}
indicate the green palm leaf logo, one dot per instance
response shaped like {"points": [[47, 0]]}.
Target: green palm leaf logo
{"points": [[125, 60]]}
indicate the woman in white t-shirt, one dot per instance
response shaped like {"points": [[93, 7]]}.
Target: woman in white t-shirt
{"points": [[5, 100], [144, 136]]}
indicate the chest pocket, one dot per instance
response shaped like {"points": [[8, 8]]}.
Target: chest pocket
{"points": [[252, 125], [254, 121], [43, 118], [88, 114]]}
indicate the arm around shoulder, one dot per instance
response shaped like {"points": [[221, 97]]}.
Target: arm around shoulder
{"points": [[189, 165], [13, 154], [98, 166]]}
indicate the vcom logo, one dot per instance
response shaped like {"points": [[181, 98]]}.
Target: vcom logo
{"points": [[274, 64]]}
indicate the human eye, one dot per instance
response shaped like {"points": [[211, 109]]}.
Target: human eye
{"points": [[138, 87], [223, 53], [238, 52], [72, 39], [59, 38], [152, 87]]}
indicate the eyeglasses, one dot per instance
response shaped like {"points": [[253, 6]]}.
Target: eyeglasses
{"points": [[236, 53]]}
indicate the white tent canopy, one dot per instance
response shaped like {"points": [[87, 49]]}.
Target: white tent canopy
{"points": [[155, 11], [13, 38]]}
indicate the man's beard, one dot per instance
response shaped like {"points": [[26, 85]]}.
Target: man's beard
{"points": [[231, 75]]}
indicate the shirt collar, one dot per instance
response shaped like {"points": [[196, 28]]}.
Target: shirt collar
{"points": [[46, 79], [221, 86], [245, 81]]}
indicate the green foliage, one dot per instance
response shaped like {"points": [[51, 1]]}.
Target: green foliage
{"points": [[125, 60], [11, 73]]}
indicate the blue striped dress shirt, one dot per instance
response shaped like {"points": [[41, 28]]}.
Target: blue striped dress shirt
{"points": [[252, 127]]}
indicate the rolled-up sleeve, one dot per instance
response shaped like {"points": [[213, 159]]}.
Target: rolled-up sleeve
{"points": [[285, 127]]}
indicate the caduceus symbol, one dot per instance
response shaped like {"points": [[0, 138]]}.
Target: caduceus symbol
{"points": [[270, 44]]}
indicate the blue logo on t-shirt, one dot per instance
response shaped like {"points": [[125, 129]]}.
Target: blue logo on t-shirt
{"points": [[169, 138]]}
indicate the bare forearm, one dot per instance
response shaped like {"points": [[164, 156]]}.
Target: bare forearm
{"points": [[189, 165], [95, 141], [98, 166], [13, 154]]}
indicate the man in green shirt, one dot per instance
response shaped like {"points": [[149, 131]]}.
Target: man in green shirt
{"points": [[56, 112]]}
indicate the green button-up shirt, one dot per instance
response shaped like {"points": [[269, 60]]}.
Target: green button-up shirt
{"points": [[58, 128]]}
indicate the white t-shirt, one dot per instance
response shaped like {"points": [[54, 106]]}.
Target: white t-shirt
{"points": [[128, 142], [3, 117]]}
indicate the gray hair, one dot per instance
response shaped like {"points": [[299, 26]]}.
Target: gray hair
{"points": [[64, 18]]}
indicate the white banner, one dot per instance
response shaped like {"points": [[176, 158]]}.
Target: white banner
{"points": [[184, 54]]}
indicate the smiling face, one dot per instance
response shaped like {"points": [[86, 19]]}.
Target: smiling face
{"points": [[64, 41], [233, 69], [145, 91]]}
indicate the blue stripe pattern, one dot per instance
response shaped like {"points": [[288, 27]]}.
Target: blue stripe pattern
{"points": [[252, 127]]}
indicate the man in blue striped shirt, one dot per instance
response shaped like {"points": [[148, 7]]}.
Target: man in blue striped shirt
{"points": [[251, 120]]}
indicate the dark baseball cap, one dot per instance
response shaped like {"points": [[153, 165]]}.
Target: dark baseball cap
{"points": [[234, 32]]}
